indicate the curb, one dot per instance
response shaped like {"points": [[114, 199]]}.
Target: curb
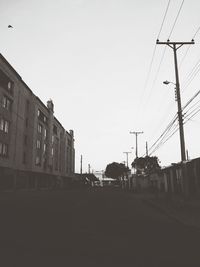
{"points": [[170, 215]]}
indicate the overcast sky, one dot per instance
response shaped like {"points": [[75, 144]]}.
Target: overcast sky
{"points": [[93, 58]]}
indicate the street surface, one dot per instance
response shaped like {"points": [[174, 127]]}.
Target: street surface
{"points": [[91, 227]]}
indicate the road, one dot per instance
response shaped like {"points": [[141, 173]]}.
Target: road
{"points": [[91, 228]]}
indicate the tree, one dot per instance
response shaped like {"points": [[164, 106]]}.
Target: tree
{"points": [[146, 165], [116, 170]]}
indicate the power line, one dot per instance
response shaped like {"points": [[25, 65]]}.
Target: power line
{"points": [[192, 75], [163, 54], [193, 115], [164, 19], [188, 117], [161, 144], [188, 48], [192, 112], [168, 128], [176, 19], [191, 99], [193, 106], [154, 50], [196, 32]]}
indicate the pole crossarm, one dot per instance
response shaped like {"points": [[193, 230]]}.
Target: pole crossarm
{"points": [[175, 43]]}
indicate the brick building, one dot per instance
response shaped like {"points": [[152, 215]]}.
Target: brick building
{"points": [[33, 143]]}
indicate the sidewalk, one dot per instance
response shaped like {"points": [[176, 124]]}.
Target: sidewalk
{"points": [[183, 211]]}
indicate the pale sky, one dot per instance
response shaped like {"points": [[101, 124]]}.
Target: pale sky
{"points": [[92, 57]]}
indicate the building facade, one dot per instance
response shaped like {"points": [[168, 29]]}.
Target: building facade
{"points": [[32, 140]]}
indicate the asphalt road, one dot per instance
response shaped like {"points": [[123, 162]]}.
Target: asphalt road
{"points": [[91, 228]]}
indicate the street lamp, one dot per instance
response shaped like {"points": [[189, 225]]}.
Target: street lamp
{"points": [[167, 82], [180, 118]]}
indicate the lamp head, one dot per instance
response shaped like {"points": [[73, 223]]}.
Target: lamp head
{"points": [[166, 82]]}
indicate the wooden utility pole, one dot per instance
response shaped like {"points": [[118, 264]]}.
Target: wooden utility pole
{"points": [[88, 168], [136, 141], [127, 158], [175, 46], [147, 153], [81, 168]]}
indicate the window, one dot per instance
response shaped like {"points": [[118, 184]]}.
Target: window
{"points": [[3, 150], [6, 103], [38, 144], [37, 160], [55, 130], [6, 83], [45, 133], [4, 125], [39, 128], [45, 148], [10, 87], [41, 116]]}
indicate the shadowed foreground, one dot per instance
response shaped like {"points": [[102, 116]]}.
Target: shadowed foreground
{"points": [[91, 228]]}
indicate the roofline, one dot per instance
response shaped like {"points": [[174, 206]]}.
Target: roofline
{"points": [[20, 78], [16, 73]]}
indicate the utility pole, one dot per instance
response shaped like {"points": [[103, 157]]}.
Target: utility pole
{"points": [[147, 153], [136, 141], [81, 170], [127, 158], [175, 46], [187, 155], [88, 168]]}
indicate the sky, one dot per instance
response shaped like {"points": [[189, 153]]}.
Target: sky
{"points": [[99, 63]]}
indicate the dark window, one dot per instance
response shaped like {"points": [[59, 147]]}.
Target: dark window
{"points": [[4, 125], [39, 128], [3, 150], [38, 144], [45, 133], [41, 116], [6, 103], [6, 83], [55, 131], [38, 160]]}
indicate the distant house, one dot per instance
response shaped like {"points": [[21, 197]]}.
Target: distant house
{"points": [[85, 179], [89, 178]]}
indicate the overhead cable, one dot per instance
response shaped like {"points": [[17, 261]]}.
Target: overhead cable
{"points": [[176, 19]]}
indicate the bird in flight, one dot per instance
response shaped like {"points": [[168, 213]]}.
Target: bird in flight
{"points": [[10, 26]]}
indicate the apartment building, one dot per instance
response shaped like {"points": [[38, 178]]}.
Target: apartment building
{"points": [[32, 140]]}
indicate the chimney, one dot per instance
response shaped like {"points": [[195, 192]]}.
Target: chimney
{"points": [[50, 105]]}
